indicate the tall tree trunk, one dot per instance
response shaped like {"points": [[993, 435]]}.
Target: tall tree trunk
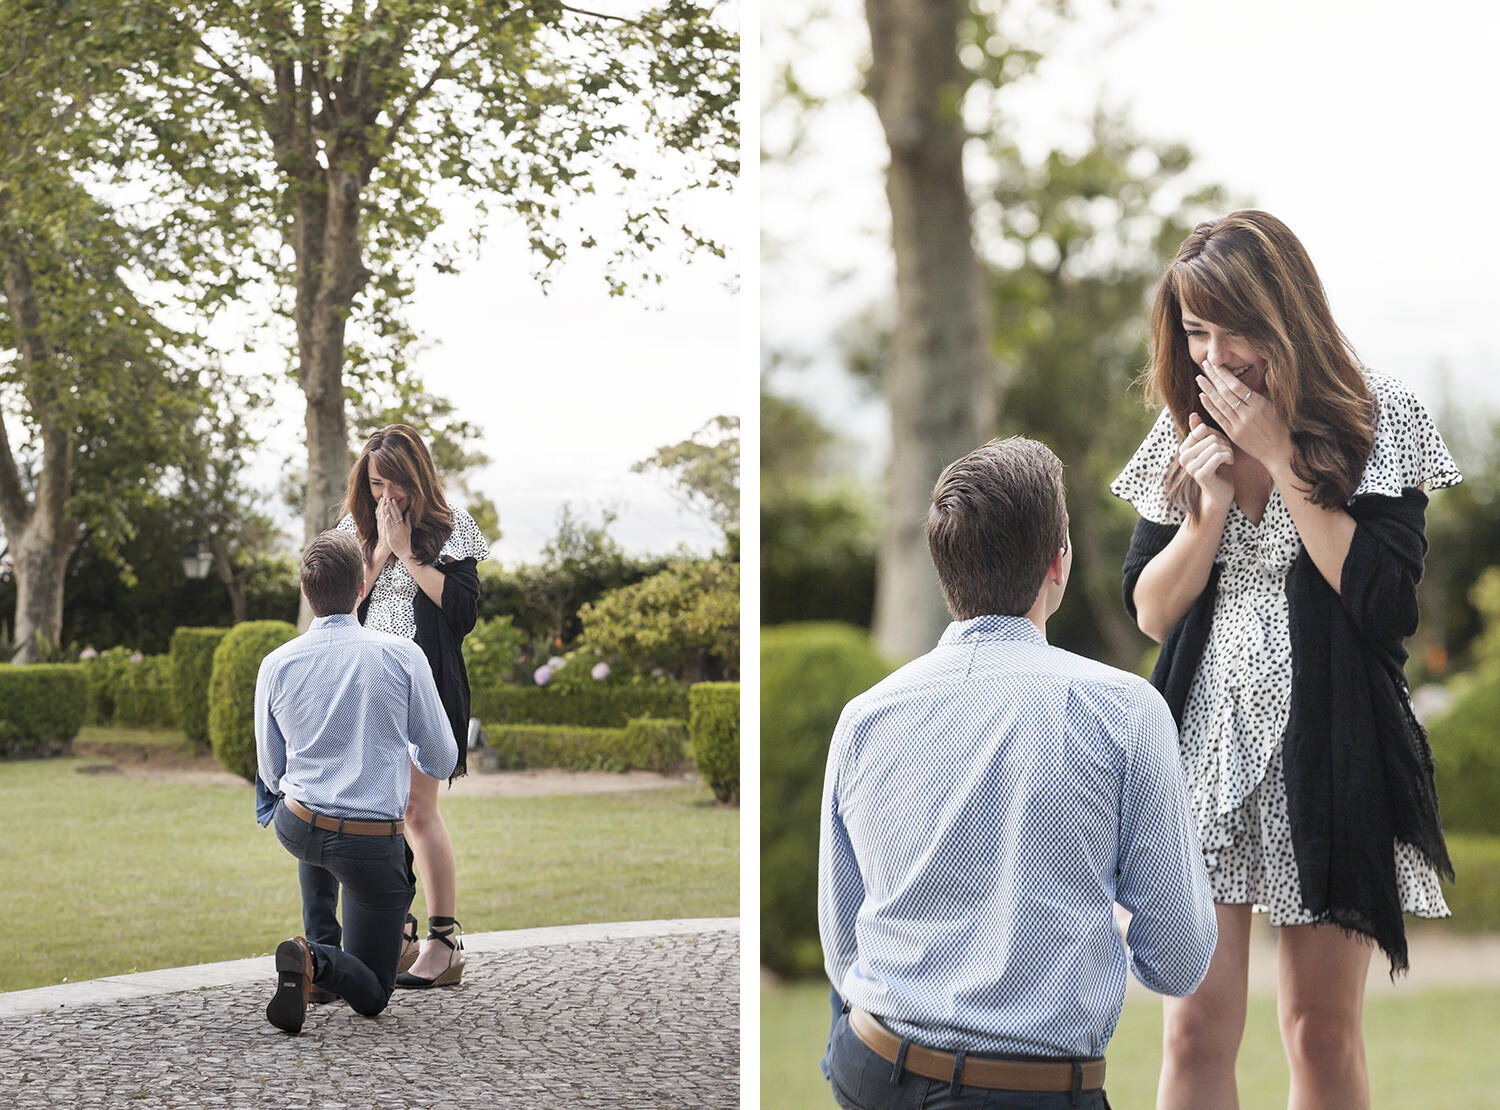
{"points": [[940, 384], [41, 535], [234, 583]]}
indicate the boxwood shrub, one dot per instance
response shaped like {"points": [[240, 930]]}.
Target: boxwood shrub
{"points": [[41, 708], [568, 747], [598, 705], [231, 691], [808, 672], [143, 694], [657, 744], [1466, 757], [192, 666], [714, 731]]}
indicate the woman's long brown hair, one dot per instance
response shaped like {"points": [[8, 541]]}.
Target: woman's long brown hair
{"points": [[402, 458], [1247, 272]]}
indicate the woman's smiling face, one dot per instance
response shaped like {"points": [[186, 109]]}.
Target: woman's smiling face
{"points": [[381, 486], [1225, 348]]}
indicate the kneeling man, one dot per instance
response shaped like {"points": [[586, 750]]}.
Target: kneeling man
{"points": [[984, 809], [338, 711]]}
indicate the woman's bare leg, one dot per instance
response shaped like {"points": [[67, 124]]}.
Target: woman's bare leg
{"points": [[1201, 1032], [433, 852], [1320, 999]]}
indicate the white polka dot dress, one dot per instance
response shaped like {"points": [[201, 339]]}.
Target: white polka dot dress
{"points": [[1237, 706], [395, 589]]}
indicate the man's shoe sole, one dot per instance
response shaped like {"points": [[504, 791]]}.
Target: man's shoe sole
{"points": [[287, 1009]]}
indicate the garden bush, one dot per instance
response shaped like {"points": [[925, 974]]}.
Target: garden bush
{"points": [[231, 691], [192, 666], [1475, 897], [1466, 756], [807, 673], [567, 747], [657, 744], [143, 694], [714, 732], [42, 708], [597, 705]]}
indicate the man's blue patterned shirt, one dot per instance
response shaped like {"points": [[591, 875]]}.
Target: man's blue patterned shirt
{"points": [[984, 809]]}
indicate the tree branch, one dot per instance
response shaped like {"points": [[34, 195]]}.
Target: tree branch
{"points": [[417, 97], [235, 76]]}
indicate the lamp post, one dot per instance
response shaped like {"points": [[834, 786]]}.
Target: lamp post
{"points": [[196, 559]]}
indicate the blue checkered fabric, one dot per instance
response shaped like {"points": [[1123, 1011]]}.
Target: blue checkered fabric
{"points": [[984, 809], [339, 710]]}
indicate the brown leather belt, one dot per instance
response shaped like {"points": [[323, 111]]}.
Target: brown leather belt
{"points": [[979, 1071], [339, 824]]}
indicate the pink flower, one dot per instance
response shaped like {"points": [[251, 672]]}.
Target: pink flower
{"points": [[600, 671], [137, 658], [88, 653], [542, 675]]}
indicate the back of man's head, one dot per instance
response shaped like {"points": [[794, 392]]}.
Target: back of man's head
{"points": [[998, 516], [333, 572]]}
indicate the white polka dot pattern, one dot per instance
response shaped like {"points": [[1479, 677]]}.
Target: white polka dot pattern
{"points": [[395, 589], [984, 809], [1237, 708]]}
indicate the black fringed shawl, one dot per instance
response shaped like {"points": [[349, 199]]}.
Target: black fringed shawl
{"points": [[1358, 768]]}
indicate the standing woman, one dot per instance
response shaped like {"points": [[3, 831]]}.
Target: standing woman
{"points": [[421, 583], [1282, 500]]}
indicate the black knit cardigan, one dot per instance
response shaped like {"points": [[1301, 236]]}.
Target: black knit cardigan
{"points": [[1357, 764], [440, 634]]}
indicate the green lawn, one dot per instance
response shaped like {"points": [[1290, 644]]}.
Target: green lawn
{"points": [[1433, 1049], [104, 874]]}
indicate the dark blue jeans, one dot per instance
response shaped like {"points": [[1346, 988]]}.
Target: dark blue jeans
{"points": [[862, 1080], [357, 961]]}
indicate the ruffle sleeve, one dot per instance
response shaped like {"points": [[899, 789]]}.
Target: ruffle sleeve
{"points": [[1409, 452], [1143, 481], [466, 540]]}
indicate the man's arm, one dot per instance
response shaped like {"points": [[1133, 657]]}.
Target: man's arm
{"points": [[841, 890], [270, 744], [1161, 879], [429, 737]]}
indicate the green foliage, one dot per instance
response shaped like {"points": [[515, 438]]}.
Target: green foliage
{"points": [[807, 674], [567, 747], [41, 708], [192, 667], [1475, 897], [143, 698], [493, 652], [598, 705], [818, 531], [1465, 755], [684, 621], [231, 691], [714, 729], [705, 471], [657, 744]]}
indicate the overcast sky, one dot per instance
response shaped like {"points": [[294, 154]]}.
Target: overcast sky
{"points": [[1367, 127]]}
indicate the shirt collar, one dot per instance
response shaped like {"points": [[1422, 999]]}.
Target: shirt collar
{"points": [[337, 620], [993, 627]]}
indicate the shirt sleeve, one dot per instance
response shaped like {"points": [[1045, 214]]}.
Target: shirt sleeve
{"points": [[1408, 452], [429, 738], [841, 890], [1161, 878], [270, 744]]}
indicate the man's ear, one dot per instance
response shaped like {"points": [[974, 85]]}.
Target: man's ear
{"points": [[1055, 567]]}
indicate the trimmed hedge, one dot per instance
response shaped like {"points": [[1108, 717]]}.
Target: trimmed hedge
{"points": [[1475, 898], [568, 747], [231, 691], [714, 729], [143, 694], [657, 744], [1466, 757], [42, 708], [192, 666], [807, 673], [596, 706]]}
